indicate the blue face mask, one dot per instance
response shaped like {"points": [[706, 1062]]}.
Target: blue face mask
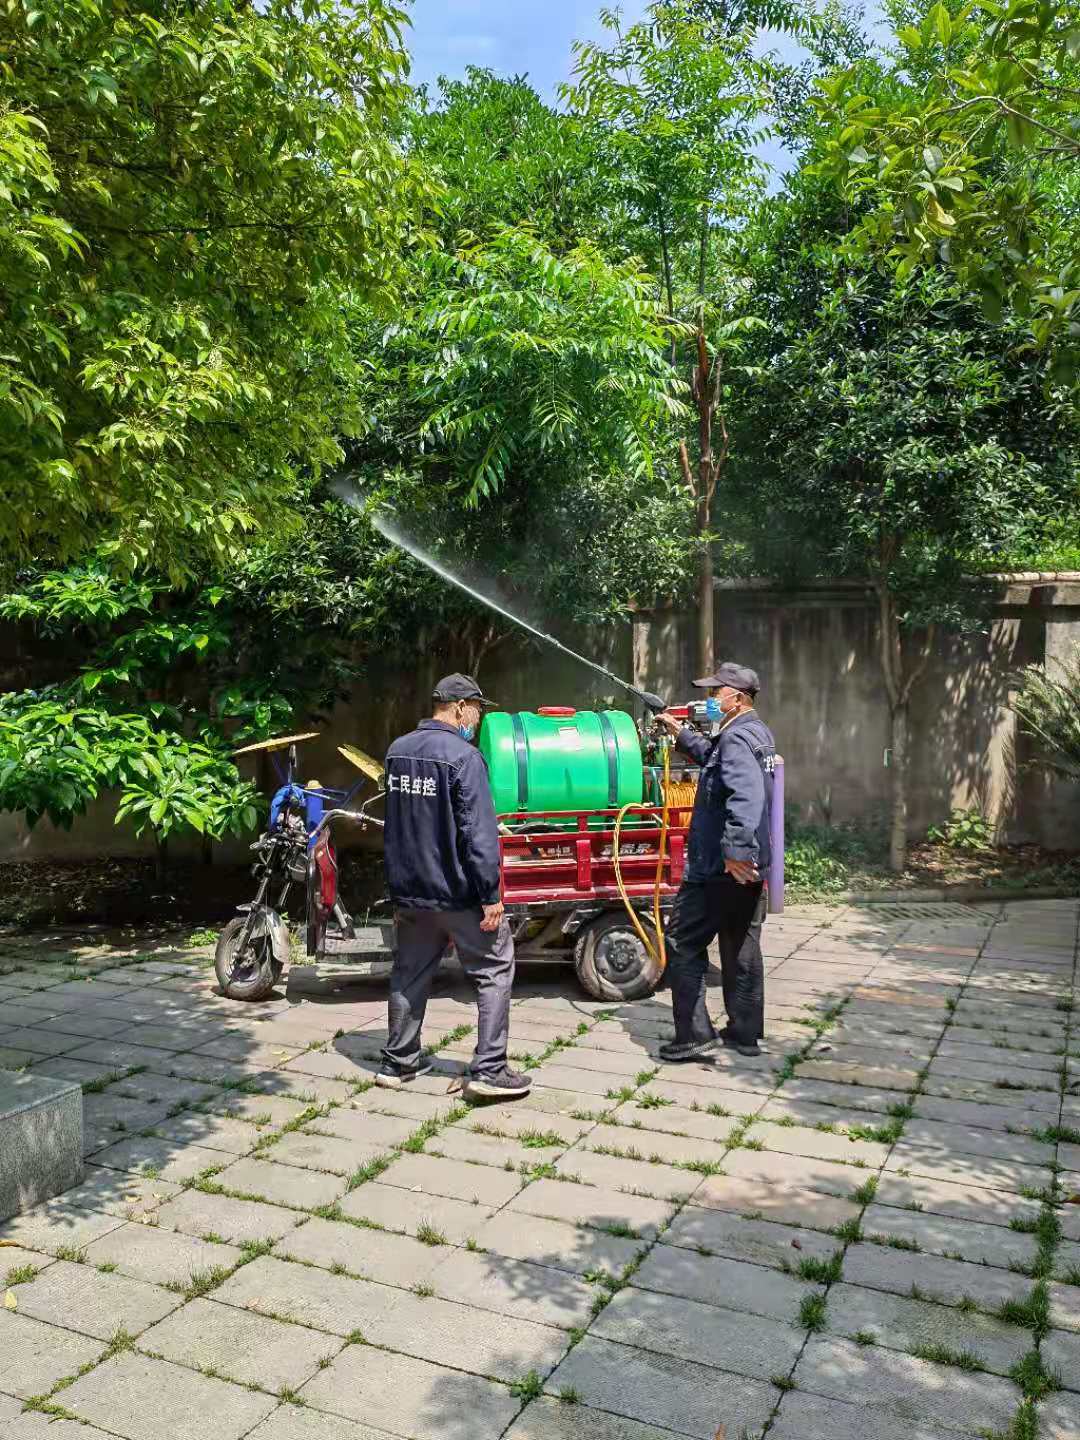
{"points": [[712, 709], [466, 731]]}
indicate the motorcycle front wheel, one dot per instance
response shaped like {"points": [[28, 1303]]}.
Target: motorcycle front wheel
{"points": [[251, 975]]}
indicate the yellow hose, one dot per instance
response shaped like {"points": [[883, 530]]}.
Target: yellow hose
{"points": [[659, 951]]}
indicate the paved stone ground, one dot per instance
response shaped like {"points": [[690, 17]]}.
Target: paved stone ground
{"points": [[874, 1230]]}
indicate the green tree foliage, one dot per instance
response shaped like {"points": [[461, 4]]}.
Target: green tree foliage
{"points": [[679, 99], [910, 441], [970, 151], [185, 195]]}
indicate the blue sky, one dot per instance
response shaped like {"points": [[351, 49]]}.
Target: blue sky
{"points": [[532, 37], [511, 36]]}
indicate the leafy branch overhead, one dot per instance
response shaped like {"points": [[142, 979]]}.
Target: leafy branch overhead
{"points": [[185, 194], [520, 355], [970, 153]]}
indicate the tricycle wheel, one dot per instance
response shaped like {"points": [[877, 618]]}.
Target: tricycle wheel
{"points": [[253, 974], [611, 961]]}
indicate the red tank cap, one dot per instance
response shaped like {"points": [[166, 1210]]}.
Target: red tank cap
{"points": [[562, 710]]}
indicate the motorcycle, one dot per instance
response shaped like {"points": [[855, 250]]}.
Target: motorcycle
{"points": [[297, 848]]}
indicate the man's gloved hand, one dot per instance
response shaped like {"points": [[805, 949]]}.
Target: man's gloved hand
{"points": [[745, 872], [493, 915]]}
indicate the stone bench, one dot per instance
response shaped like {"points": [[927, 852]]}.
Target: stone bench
{"points": [[41, 1123]]}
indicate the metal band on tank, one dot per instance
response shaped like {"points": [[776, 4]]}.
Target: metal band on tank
{"points": [[521, 754], [611, 749]]}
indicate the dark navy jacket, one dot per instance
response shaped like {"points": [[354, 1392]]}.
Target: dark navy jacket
{"points": [[441, 836], [734, 795]]}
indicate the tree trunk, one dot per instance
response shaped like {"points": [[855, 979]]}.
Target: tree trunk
{"points": [[898, 686], [161, 855], [705, 646], [898, 740]]}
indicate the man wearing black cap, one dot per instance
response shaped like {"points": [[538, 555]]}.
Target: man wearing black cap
{"points": [[722, 894], [442, 870]]}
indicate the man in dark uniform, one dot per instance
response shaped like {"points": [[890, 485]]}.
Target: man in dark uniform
{"points": [[722, 894], [442, 870]]}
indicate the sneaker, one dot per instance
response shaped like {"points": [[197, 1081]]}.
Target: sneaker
{"points": [[752, 1049], [504, 1084], [674, 1053], [391, 1077]]}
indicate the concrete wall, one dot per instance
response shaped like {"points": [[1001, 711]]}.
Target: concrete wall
{"points": [[816, 651], [823, 694]]}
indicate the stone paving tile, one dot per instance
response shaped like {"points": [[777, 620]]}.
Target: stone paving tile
{"points": [[960, 1202], [968, 1239], [161, 1159], [15, 1425], [237, 1221], [987, 1171], [607, 1210], [654, 1146], [258, 1110], [661, 1390], [843, 1097], [1059, 1417], [875, 1378], [404, 1211], [211, 1132], [981, 1116], [711, 1100], [969, 1140], [457, 1143], [816, 1144], [639, 1177], [281, 1184], [239, 1345], [56, 1225], [370, 1254], [520, 1122], [120, 1193], [707, 1334], [426, 1327], [1065, 1306], [576, 1249], [790, 1204], [420, 1400], [759, 1242], [809, 1417], [1061, 1352], [549, 1419], [825, 1176], [947, 1281], [365, 1127], [34, 1355], [162, 1257], [143, 1399], [289, 1422], [901, 1323], [733, 1284], [453, 1179], [326, 1153], [81, 1298], [514, 1287]]}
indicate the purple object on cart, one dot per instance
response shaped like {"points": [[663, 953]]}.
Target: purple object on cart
{"points": [[776, 832]]}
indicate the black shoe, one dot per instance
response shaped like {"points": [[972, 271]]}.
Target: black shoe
{"points": [[504, 1084], [732, 1044], [392, 1077], [674, 1053]]}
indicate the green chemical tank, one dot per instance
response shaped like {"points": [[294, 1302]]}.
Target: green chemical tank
{"points": [[562, 759]]}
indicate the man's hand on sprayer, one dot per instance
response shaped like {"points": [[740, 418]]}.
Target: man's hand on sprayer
{"points": [[671, 723], [493, 915], [744, 872]]}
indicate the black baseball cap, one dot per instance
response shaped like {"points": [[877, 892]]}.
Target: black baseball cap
{"points": [[461, 687], [738, 677]]}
